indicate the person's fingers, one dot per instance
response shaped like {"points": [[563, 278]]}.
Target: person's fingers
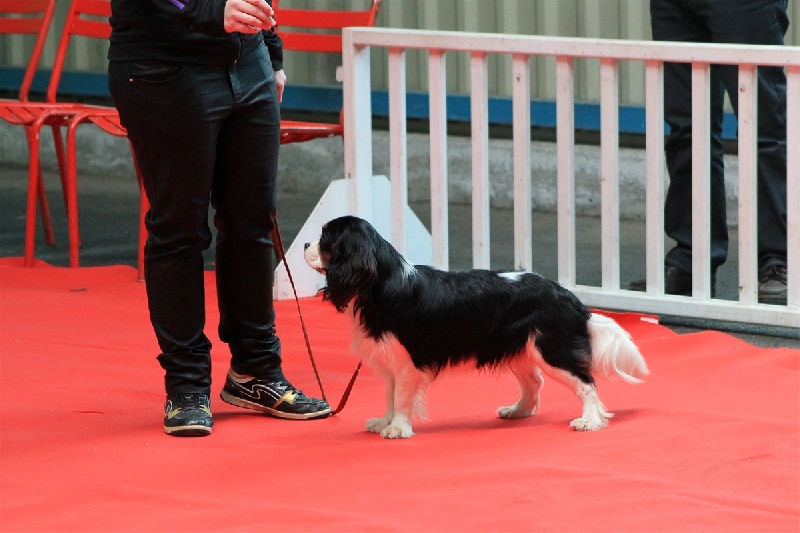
{"points": [[248, 16], [280, 83]]}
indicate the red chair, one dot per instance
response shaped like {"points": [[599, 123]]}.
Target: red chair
{"points": [[29, 17], [316, 30], [89, 19]]}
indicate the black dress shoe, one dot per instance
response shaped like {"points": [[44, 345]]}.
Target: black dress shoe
{"points": [[676, 281]]}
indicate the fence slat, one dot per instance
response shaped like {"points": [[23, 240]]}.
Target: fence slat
{"points": [[398, 156], [357, 125], [565, 138], [437, 91], [609, 173], [523, 231], [748, 149], [701, 181], [479, 105], [793, 187], [654, 193]]}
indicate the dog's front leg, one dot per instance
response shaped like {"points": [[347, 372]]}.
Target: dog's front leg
{"points": [[406, 390], [376, 425]]}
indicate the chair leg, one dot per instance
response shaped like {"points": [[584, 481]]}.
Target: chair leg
{"points": [[71, 195], [44, 208], [44, 211], [63, 171], [34, 178]]}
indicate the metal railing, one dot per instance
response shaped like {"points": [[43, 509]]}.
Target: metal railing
{"points": [[479, 47]]}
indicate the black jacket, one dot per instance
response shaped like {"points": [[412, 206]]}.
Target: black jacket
{"points": [[185, 31]]}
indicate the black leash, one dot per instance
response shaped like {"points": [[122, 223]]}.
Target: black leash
{"points": [[282, 257]]}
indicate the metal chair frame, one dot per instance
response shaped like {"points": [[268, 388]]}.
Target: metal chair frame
{"points": [[317, 30], [86, 18]]}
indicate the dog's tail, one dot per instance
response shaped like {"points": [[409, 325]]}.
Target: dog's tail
{"points": [[613, 351]]}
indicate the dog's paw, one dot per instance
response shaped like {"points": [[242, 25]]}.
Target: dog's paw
{"points": [[585, 424], [397, 431], [376, 425], [513, 411]]}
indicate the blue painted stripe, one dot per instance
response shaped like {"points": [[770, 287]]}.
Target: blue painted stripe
{"points": [[176, 3], [329, 100]]}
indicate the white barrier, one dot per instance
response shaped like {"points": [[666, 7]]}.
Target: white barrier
{"points": [[479, 46]]}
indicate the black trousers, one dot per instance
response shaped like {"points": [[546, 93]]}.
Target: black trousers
{"points": [[206, 133], [728, 21]]}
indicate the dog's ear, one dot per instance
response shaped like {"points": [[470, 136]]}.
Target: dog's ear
{"points": [[351, 271]]}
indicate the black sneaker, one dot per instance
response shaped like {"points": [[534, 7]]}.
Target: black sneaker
{"points": [[772, 286], [276, 398], [188, 415]]}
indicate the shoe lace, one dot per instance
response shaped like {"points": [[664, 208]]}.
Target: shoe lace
{"points": [[774, 272], [192, 402]]}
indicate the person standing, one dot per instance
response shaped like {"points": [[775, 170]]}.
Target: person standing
{"points": [[761, 22], [197, 84]]}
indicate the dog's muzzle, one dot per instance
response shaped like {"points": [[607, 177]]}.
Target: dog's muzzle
{"points": [[312, 256]]}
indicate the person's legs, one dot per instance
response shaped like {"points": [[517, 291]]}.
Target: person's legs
{"points": [[173, 114], [244, 199], [677, 20], [762, 22]]}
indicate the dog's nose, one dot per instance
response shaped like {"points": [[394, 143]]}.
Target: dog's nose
{"points": [[306, 245]]}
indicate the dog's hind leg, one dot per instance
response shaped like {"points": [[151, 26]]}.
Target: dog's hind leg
{"points": [[594, 415], [530, 381]]}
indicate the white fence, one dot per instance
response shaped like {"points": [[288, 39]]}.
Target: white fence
{"points": [[522, 49]]}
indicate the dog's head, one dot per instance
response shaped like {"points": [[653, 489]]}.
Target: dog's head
{"points": [[347, 255]]}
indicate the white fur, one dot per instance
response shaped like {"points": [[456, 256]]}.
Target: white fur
{"points": [[312, 257], [613, 351]]}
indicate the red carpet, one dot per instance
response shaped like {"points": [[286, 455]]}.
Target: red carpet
{"points": [[710, 443]]}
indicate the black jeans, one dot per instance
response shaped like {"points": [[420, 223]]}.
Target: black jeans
{"points": [[728, 21], [206, 133]]}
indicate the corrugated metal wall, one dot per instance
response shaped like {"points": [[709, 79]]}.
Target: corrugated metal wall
{"points": [[613, 19]]}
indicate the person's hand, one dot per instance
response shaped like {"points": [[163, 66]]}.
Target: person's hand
{"points": [[280, 82], [248, 16]]}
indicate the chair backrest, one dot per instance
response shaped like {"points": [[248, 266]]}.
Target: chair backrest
{"points": [[318, 30], [27, 17], [87, 18]]}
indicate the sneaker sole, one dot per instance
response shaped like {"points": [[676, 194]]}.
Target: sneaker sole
{"points": [[188, 431], [238, 402]]}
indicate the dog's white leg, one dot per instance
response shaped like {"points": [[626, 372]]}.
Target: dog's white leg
{"points": [[376, 425], [594, 415], [408, 387], [530, 381]]}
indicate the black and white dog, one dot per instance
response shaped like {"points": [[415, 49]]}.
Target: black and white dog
{"points": [[411, 322]]}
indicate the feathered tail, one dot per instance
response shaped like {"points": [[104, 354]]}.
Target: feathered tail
{"points": [[613, 351]]}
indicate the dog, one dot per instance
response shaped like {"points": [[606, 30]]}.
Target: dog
{"points": [[411, 322]]}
